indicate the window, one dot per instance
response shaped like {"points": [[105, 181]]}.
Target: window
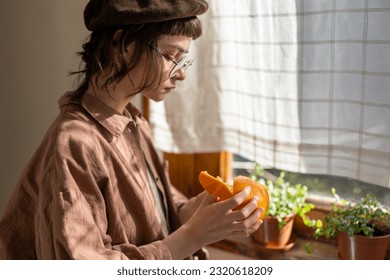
{"points": [[320, 185]]}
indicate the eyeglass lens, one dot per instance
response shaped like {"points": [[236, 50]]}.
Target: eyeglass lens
{"points": [[183, 63]]}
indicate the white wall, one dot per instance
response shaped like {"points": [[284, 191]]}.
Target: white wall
{"points": [[38, 44]]}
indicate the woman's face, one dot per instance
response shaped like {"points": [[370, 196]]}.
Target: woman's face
{"points": [[172, 49]]}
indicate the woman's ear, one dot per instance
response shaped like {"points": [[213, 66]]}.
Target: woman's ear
{"points": [[117, 37], [117, 48]]}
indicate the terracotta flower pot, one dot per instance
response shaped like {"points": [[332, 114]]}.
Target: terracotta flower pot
{"points": [[359, 247], [269, 233], [301, 229]]}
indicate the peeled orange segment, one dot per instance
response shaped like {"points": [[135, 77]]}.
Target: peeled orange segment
{"points": [[240, 182], [215, 185]]}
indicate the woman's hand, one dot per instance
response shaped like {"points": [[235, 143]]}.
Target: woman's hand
{"points": [[188, 209], [214, 221]]}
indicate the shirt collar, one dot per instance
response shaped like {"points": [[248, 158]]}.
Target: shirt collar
{"points": [[110, 119]]}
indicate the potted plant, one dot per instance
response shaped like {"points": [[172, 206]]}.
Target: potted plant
{"points": [[286, 202], [362, 229]]}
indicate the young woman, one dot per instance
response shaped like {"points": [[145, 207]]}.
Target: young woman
{"points": [[95, 188]]}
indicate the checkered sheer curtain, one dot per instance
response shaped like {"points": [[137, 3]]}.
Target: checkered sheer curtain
{"points": [[302, 86]]}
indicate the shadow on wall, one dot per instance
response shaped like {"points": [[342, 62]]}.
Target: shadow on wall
{"points": [[37, 52]]}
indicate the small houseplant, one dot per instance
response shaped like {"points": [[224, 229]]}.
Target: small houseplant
{"points": [[360, 228], [286, 201]]}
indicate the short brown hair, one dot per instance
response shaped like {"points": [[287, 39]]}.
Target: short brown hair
{"points": [[99, 56]]}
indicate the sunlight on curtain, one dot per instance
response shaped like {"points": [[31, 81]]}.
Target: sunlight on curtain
{"points": [[297, 85]]}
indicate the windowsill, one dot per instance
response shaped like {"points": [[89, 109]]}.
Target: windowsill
{"points": [[321, 250], [252, 249]]}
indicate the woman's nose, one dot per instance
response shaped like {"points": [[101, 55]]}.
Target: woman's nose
{"points": [[180, 74]]}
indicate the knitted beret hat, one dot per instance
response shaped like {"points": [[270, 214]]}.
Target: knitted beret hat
{"points": [[99, 14]]}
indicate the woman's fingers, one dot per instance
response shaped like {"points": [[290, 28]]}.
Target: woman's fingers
{"points": [[235, 200], [249, 225], [217, 219], [246, 220], [247, 231], [208, 199], [245, 211]]}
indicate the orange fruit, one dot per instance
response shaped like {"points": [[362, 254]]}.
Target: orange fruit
{"points": [[215, 185], [241, 182]]}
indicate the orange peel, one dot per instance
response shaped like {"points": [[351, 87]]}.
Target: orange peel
{"points": [[215, 185]]}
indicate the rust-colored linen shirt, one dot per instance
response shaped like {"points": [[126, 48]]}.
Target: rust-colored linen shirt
{"points": [[85, 194]]}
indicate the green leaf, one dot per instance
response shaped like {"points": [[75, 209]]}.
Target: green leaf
{"points": [[318, 224], [285, 198], [308, 248], [355, 218]]}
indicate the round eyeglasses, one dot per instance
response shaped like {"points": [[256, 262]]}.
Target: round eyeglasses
{"points": [[182, 64]]}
